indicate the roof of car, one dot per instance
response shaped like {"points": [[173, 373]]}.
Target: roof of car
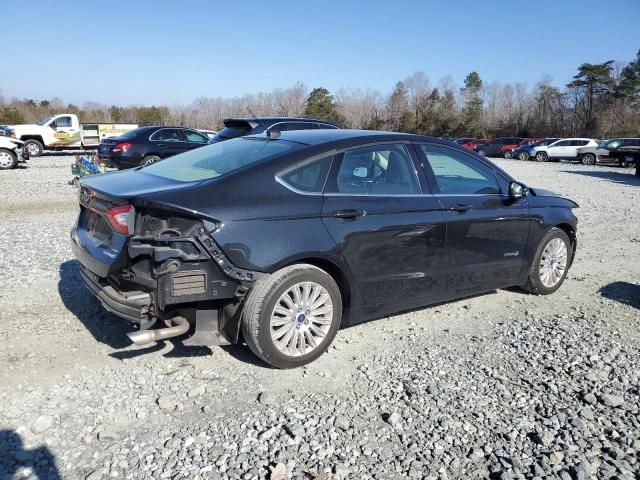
{"points": [[272, 120], [317, 137]]}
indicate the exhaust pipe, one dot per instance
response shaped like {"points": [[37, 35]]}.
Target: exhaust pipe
{"points": [[144, 337]]}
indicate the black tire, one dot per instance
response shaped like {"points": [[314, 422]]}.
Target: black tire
{"points": [[524, 156], [8, 159], [34, 147], [261, 301], [542, 157], [534, 283], [149, 159], [508, 154], [588, 159], [482, 152]]}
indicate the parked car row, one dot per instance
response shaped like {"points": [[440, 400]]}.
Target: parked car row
{"points": [[146, 145], [587, 151]]}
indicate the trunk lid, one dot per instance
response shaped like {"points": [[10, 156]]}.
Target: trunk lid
{"points": [[128, 184]]}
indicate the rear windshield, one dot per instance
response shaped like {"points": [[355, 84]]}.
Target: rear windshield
{"points": [[219, 158], [232, 130]]}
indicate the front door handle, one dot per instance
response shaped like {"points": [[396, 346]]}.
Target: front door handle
{"points": [[349, 213], [460, 208]]}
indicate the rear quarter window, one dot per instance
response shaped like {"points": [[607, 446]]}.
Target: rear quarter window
{"points": [[310, 177]]}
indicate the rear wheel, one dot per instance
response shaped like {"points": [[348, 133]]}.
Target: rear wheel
{"points": [[149, 159], [542, 156], [8, 159], [508, 154], [34, 147], [291, 316], [524, 156], [550, 264], [588, 159], [482, 152]]}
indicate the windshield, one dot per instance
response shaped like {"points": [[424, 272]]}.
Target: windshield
{"points": [[44, 121], [613, 144], [219, 158]]}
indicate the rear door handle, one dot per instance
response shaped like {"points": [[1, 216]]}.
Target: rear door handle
{"points": [[349, 213], [460, 208]]}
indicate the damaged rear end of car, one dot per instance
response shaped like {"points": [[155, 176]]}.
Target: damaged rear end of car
{"points": [[147, 261]]}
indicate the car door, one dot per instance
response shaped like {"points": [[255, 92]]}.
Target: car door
{"points": [[64, 131], [194, 139], [487, 231], [572, 149], [167, 142], [389, 231], [559, 149]]}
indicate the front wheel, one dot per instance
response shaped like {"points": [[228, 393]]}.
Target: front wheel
{"points": [[291, 316], [8, 159], [524, 156], [482, 152], [508, 154], [551, 263], [542, 157], [34, 147], [588, 159]]}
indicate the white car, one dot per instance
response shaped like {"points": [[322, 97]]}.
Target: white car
{"points": [[11, 152], [565, 148]]}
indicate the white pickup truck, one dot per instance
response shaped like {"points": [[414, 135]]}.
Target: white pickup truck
{"points": [[64, 132]]}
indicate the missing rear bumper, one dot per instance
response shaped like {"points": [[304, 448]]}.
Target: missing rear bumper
{"points": [[134, 306]]}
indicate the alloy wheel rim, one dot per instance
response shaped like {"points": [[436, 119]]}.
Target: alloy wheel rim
{"points": [[148, 162], [301, 319], [33, 149], [5, 159], [553, 262]]}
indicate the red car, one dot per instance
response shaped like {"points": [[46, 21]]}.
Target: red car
{"points": [[506, 151], [472, 143]]}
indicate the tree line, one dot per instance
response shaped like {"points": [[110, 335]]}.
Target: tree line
{"points": [[601, 101]]}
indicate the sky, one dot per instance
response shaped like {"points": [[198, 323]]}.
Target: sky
{"points": [[171, 52]]}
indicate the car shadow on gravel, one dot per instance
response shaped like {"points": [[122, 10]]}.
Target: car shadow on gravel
{"points": [[623, 292], [105, 327], [616, 177], [16, 462]]}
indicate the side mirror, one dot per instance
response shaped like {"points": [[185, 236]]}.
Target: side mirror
{"points": [[517, 191]]}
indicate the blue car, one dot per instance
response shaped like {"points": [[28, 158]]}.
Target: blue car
{"points": [[524, 151]]}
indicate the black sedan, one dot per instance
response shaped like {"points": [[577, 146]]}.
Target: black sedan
{"points": [[280, 241], [147, 145], [240, 127]]}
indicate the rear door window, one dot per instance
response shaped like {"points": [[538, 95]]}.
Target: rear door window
{"points": [[292, 126], [376, 170], [167, 135]]}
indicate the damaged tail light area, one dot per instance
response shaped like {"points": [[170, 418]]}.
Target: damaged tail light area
{"points": [[122, 218]]}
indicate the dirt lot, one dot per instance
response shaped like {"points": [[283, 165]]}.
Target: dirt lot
{"points": [[506, 385]]}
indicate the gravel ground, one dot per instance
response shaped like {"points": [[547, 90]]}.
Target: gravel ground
{"points": [[504, 385]]}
